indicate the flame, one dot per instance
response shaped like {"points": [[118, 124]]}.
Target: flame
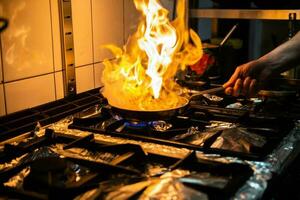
{"points": [[142, 75]]}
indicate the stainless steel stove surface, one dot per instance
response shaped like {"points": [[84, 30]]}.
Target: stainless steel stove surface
{"points": [[219, 148], [61, 167], [208, 125]]}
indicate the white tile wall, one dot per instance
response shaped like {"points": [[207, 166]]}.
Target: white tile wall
{"points": [[108, 26], [84, 78], [2, 102], [98, 73], [59, 85], [29, 92], [56, 35], [31, 47], [82, 29], [27, 42]]}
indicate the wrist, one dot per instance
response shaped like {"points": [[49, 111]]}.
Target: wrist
{"points": [[270, 64]]}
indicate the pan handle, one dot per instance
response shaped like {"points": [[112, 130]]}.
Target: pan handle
{"points": [[209, 91]]}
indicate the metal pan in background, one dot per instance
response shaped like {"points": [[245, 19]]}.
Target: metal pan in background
{"points": [[277, 94], [281, 88], [210, 66]]}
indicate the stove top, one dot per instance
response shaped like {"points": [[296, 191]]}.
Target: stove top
{"points": [[61, 167], [217, 146], [246, 132]]}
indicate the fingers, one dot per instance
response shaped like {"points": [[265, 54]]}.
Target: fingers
{"points": [[228, 90], [243, 81], [233, 78], [237, 87], [247, 86], [253, 87]]}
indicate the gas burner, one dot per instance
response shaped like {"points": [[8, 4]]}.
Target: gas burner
{"points": [[159, 125], [136, 124]]}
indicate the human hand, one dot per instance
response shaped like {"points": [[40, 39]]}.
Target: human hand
{"points": [[247, 79]]}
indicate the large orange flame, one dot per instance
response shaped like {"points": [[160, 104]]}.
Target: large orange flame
{"points": [[142, 75]]}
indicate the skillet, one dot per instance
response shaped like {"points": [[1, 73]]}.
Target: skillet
{"points": [[165, 114]]}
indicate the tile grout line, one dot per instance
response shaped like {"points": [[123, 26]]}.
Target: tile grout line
{"points": [[44, 74], [93, 48], [3, 82], [30, 77], [124, 23], [53, 57]]}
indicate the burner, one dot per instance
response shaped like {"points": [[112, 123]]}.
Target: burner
{"points": [[153, 125], [161, 125], [136, 124]]}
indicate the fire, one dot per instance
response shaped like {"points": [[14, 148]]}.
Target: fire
{"points": [[142, 75]]}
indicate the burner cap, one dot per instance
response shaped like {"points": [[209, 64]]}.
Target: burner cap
{"points": [[136, 124], [159, 125]]}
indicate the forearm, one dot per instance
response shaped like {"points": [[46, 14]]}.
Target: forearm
{"points": [[284, 57], [248, 77]]}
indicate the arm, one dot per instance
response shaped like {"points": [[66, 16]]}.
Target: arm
{"points": [[248, 77]]}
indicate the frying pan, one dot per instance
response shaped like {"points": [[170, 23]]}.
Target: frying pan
{"points": [[145, 115]]}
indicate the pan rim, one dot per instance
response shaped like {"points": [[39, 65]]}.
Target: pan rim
{"points": [[150, 111]]}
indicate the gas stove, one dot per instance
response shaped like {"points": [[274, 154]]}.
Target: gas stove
{"points": [[61, 167], [209, 124], [219, 147]]}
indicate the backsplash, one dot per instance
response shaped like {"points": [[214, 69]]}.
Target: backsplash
{"points": [[31, 66]]}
